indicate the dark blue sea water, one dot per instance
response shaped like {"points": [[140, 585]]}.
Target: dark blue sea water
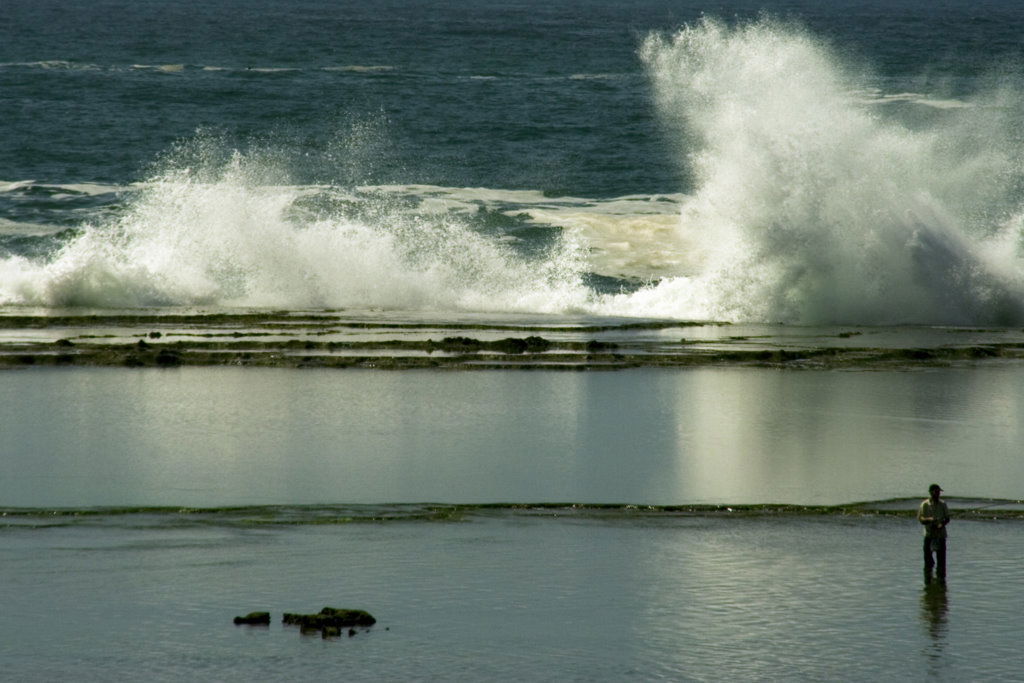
{"points": [[801, 161], [513, 95]]}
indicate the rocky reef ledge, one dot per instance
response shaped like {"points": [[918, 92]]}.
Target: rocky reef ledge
{"points": [[254, 619], [328, 622], [338, 339]]}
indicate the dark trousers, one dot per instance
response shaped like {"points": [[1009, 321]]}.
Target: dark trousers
{"points": [[935, 557]]}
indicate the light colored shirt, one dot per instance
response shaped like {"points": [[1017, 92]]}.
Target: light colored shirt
{"points": [[938, 512]]}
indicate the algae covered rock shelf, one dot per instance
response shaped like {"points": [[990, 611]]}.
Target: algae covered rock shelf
{"points": [[168, 338]]}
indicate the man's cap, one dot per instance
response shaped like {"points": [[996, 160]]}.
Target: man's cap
{"points": [[934, 487]]}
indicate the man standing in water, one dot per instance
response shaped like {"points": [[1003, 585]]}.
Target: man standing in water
{"points": [[934, 515]]}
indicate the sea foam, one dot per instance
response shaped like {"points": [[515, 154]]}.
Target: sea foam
{"points": [[811, 203], [811, 207], [225, 235]]}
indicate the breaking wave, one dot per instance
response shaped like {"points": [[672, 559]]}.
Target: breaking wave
{"points": [[228, 235], [811, 206], [812, 202]]}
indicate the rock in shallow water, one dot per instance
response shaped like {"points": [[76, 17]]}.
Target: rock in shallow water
{"points": [[254, 618], [330, 617], [329, 622]]}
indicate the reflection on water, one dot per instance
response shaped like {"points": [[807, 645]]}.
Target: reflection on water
{"points": [[934, 616], [223, 436], [510, 595]]}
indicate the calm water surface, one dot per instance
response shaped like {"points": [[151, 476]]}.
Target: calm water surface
{"points": [[215, 437], [500, 593], [512, 596]]}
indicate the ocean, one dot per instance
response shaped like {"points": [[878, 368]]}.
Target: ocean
{"points": [[798, 162], [683, 199]]}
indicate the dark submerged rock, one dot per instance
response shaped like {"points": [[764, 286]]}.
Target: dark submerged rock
{"points": [[254, 619], [329, 621], [348, 617], [536, 344], [168, 358], [133, 361], [594, 346], [460, 343]]}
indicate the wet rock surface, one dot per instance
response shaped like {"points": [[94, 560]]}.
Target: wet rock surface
{"points": [[336, 339], [330, 622], [254, 619], [330, 618]]}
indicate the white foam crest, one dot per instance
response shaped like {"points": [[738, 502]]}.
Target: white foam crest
{"points": [[164, 68], [196, 237], [360, 68], [91, 189], [876, 96], [811, 207], [9, 227], [626, 237], [594, 77], [56, 64], [633, 236], [15, 185]]}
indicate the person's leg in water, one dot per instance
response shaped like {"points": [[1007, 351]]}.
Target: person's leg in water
{"points": [[940, 558], [929, 561]]}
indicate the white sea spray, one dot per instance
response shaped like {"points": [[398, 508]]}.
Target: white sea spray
{"points": [[814, 200], [232, 233], [810, 206]]}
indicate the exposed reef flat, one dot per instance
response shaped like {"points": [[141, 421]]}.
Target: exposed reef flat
{"points": [[342, 339], [256, 516]]}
